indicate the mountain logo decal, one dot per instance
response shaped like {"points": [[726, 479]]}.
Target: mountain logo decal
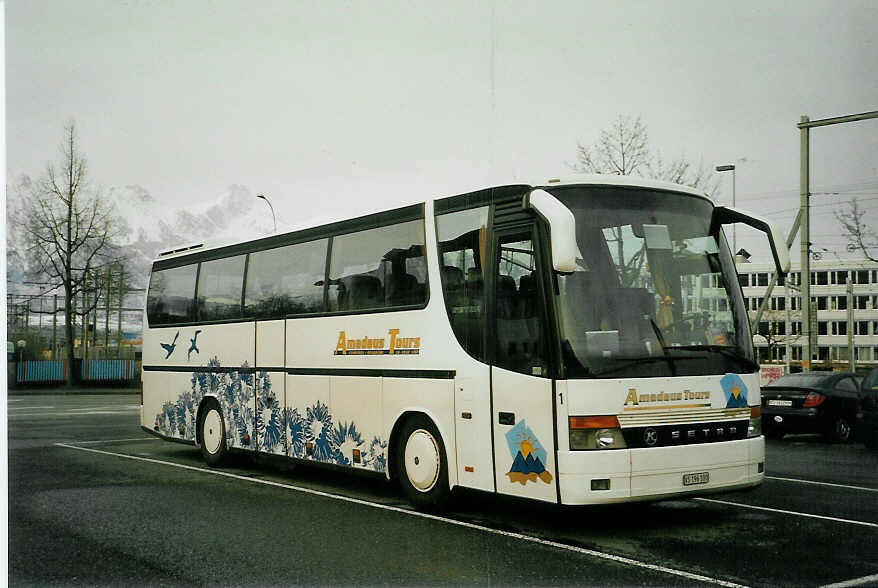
{"points": [[735, 391], [528, 456]]}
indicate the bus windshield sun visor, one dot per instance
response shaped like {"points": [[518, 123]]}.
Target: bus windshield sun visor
{"points": [[562, 228], [724, 215]]}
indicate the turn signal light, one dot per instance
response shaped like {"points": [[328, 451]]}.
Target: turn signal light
{"points": [[754, 426], [813, 399], [593, 422]]}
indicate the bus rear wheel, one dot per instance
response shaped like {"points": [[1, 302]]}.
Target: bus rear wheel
{"points": [[212, 433], [422, 468]]}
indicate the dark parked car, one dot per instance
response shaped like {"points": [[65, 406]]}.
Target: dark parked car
{"points": [[867, 418], [812, 402]]}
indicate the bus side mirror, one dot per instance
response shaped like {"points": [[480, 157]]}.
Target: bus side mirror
{"points": [[562, 228], [724, 215]]}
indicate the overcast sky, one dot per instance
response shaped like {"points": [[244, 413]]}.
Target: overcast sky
{"points": [[366, 104]]}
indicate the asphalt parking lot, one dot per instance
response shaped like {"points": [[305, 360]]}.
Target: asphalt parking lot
{"points": [[95, 501]]}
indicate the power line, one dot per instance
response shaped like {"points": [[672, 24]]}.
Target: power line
{"points": [[821, 190], [817, 206]]}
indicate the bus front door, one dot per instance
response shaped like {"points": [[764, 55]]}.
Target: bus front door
{"points": [[521, 389]]}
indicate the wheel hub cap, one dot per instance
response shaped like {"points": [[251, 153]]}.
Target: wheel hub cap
{"points": [[422, 462], [212, 432]]}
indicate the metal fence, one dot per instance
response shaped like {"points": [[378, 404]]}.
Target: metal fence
{"points": [[111, 328], [93, 370]]}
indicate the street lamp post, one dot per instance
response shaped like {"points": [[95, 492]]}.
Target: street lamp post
{"points": [[731, 168], [273, 218]]}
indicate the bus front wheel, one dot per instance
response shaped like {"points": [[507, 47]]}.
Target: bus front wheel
{"points": [[422, 467], [212, 432]]}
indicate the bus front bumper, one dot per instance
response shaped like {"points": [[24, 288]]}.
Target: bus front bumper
{"points": [[601, 477]]}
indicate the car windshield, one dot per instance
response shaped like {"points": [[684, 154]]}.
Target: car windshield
{"points": [[803, 380], [654, 292]]}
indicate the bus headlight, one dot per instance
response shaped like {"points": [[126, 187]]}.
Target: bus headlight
{"points": [[754, 427], [595, 432]]}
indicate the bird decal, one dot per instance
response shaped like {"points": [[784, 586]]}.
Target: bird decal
{"points": [[169, 347], [193, 346]]}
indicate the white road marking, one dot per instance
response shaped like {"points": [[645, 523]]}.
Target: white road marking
{"points": [[855, 582], [28, 407], [108, 407], [790, 512], [822, 483], [116, 440], [414, 513]]}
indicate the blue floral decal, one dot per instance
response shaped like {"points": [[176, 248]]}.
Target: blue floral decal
{"points": [[256, 419], [269, 418], [318, 432], [347, 440], [376, 457], [296, 432]]}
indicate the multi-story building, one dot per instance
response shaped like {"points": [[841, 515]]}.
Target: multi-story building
{"points": [[780, 328]]}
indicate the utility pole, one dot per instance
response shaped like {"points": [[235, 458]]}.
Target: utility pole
{"points": [[107, 316], [54, 326], [789, 325], [84, 342], [805, 263], [119, 332], [805, 124], [852, 356]]}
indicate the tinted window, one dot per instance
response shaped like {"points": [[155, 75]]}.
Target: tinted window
{"points": [[846, 384], [171, 296], [461, 258], [287, 280], [220, 284], [520, 342], [378, 268]]}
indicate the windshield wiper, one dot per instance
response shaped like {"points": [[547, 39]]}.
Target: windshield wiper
{"points": [[722, 350], [661, 340], [640, 360]]}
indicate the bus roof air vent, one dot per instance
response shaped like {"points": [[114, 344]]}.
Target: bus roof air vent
{"points": [[181, 249]]}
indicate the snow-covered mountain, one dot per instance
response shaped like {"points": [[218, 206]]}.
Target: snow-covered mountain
{"points": [[151, 226]]}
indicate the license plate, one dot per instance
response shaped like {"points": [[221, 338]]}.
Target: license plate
{"points": [[696, 478], [780, 403]]}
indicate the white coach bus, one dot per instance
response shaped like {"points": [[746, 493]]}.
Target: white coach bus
{"points": [[575, 342]]}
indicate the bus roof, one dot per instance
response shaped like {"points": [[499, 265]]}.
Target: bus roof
{"points": [[569, 180]]}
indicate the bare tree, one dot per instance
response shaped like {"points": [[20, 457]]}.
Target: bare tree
{"points": [[860, 236], [71, 232], [772, 330], [624, 149]]}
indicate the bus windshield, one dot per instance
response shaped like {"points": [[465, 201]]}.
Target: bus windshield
{"points": [[653, 294]]}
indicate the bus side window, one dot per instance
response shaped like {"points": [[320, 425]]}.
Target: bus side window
{"points": [[171, 297], [378, 268], [220, 284], [520, 342], [461, 252], [286, 280]]}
